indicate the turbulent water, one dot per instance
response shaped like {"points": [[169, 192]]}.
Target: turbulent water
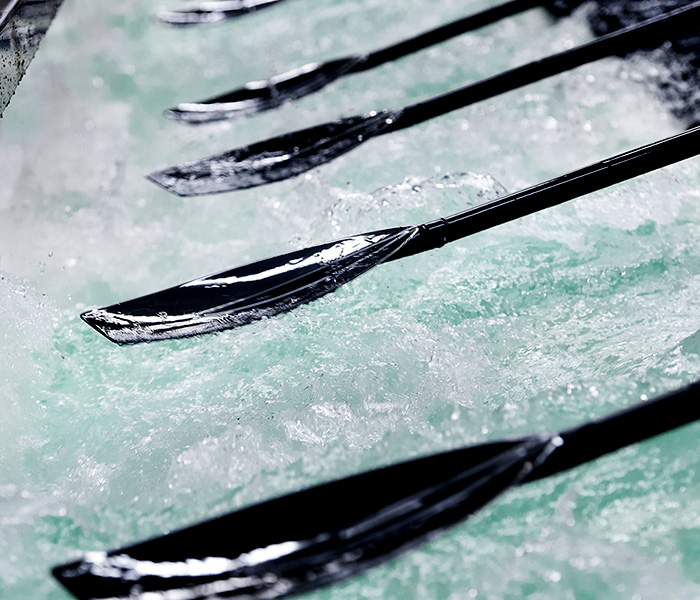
{"points": [[536, 325]]}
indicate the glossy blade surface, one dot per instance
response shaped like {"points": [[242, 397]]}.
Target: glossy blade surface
{"points": [[259, 96], [427, 236], [297, 152], [312, 538], [309, 539], [275, 159], [245, 294], [207, 13]]}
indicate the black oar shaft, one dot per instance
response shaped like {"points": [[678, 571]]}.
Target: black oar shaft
{"points": [[556, 191], [446, 32], [651, 32], [245, 294], [298, 152], [587, 442]]}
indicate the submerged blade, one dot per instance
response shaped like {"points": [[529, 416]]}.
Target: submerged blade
{"points": [[260, 96], [22, 28], [206, 13], [311, 538], [275, 159], [240, 296]]}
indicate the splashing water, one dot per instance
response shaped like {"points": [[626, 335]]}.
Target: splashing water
{"points": [[532, 326]]}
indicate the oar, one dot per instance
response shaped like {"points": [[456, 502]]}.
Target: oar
{"points": [[275, 285], [259, 96], [206, 13], [321, 535], [295, 153]]}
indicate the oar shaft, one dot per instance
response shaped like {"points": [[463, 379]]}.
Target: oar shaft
{"points": [[597, 438], [651, 32], [557, 191], [446, 32]]}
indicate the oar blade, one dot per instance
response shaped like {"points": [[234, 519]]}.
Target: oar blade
{"points": [[311, 538], [207, 13], [260, 96], [245, 294], [275, 159], [180, 18]]}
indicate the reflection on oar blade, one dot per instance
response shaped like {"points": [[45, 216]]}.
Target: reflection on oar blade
{"points": [[310, 539], [298, 152], [259, 96], [207, 305], [249, 293], [206, 13], [274, 159], [313, 538]]}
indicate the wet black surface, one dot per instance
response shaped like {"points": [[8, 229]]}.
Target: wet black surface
{"points": [[315, 537], [249, 293], [207, 13], [312, 538], [275, 159], [266, 288], [259, 96], [294, 153]]}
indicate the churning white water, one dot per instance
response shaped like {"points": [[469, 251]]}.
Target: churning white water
{"points": [[536, 325]]}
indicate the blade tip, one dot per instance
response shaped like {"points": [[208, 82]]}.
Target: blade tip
{"points": [[172, 113], [68, 576], [165, 181], [59, 574], [89, 317], [166, 18], [172, 18], [188, 114], [98, 319]]}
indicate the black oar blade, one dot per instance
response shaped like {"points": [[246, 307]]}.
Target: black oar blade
{"points": [[311, 538], [245, 294], [274, 159], [259, 96], [207, 13]]}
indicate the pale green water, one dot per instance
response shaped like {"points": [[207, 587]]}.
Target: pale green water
{"points": [[535, 325]]}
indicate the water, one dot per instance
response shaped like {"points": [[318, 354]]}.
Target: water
{"points": [[535, 325]]}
